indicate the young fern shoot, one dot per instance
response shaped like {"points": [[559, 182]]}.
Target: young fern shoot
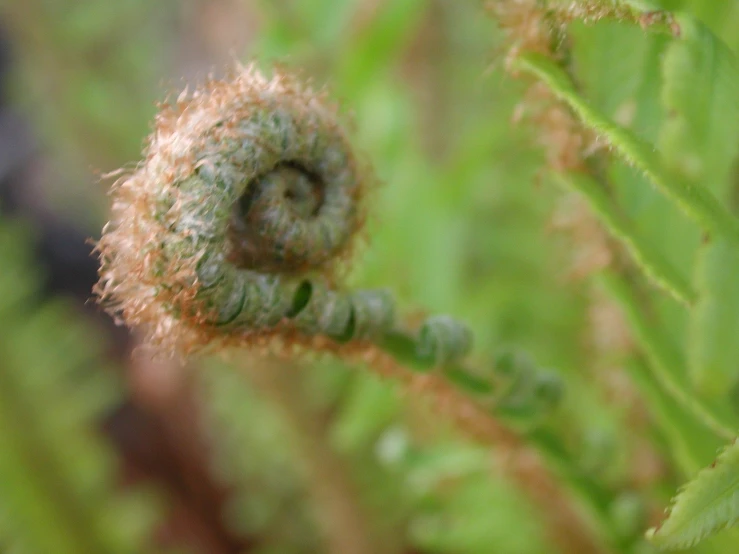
{"points": [[234, 228]]}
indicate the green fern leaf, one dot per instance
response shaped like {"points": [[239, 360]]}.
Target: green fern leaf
{"points": [[701, 97], [664, 356], [699, 141], [696, 201], [713, 349], [654, 265], [708, 503]]}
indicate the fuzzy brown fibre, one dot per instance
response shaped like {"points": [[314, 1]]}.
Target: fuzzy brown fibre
{"points": [[248, 189]]}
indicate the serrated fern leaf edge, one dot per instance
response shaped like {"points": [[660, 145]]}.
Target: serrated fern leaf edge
{"points": [[705, 505]]}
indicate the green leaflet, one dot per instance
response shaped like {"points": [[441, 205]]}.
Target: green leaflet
{"points": [[699, 141], [523, 389], [443, 339], [714, 348], [701, 98], [654, 265], [665, 359], [619, 68], [695, 201], [689, 445], [256, 212], [708, 503]]}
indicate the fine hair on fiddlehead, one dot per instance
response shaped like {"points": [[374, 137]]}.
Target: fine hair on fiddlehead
{"points": [[234, 231], [248, 199], [235, 227]]}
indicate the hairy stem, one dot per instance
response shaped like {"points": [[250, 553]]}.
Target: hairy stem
{"points": [[574, 527]]}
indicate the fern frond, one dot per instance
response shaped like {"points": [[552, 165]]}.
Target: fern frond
{"points": [[700, 142], [701, 97], [708, 503], [713, 349], [696, 201], [665, 359], [651, 261]]}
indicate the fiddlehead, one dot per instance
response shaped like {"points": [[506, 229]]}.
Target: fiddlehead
{"points": [[234, 227], [235, 223]]}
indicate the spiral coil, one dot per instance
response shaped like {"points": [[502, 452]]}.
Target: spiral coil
{"points": [[236, 222], [234, 228]]}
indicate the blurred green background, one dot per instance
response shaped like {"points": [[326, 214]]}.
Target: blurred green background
{"points": [[104, 452]]}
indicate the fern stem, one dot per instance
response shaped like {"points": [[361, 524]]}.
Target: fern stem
{"points": [[537, 461], [657, 268], [231, 232], [695, 201], [403, 346], [231, 229]]}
